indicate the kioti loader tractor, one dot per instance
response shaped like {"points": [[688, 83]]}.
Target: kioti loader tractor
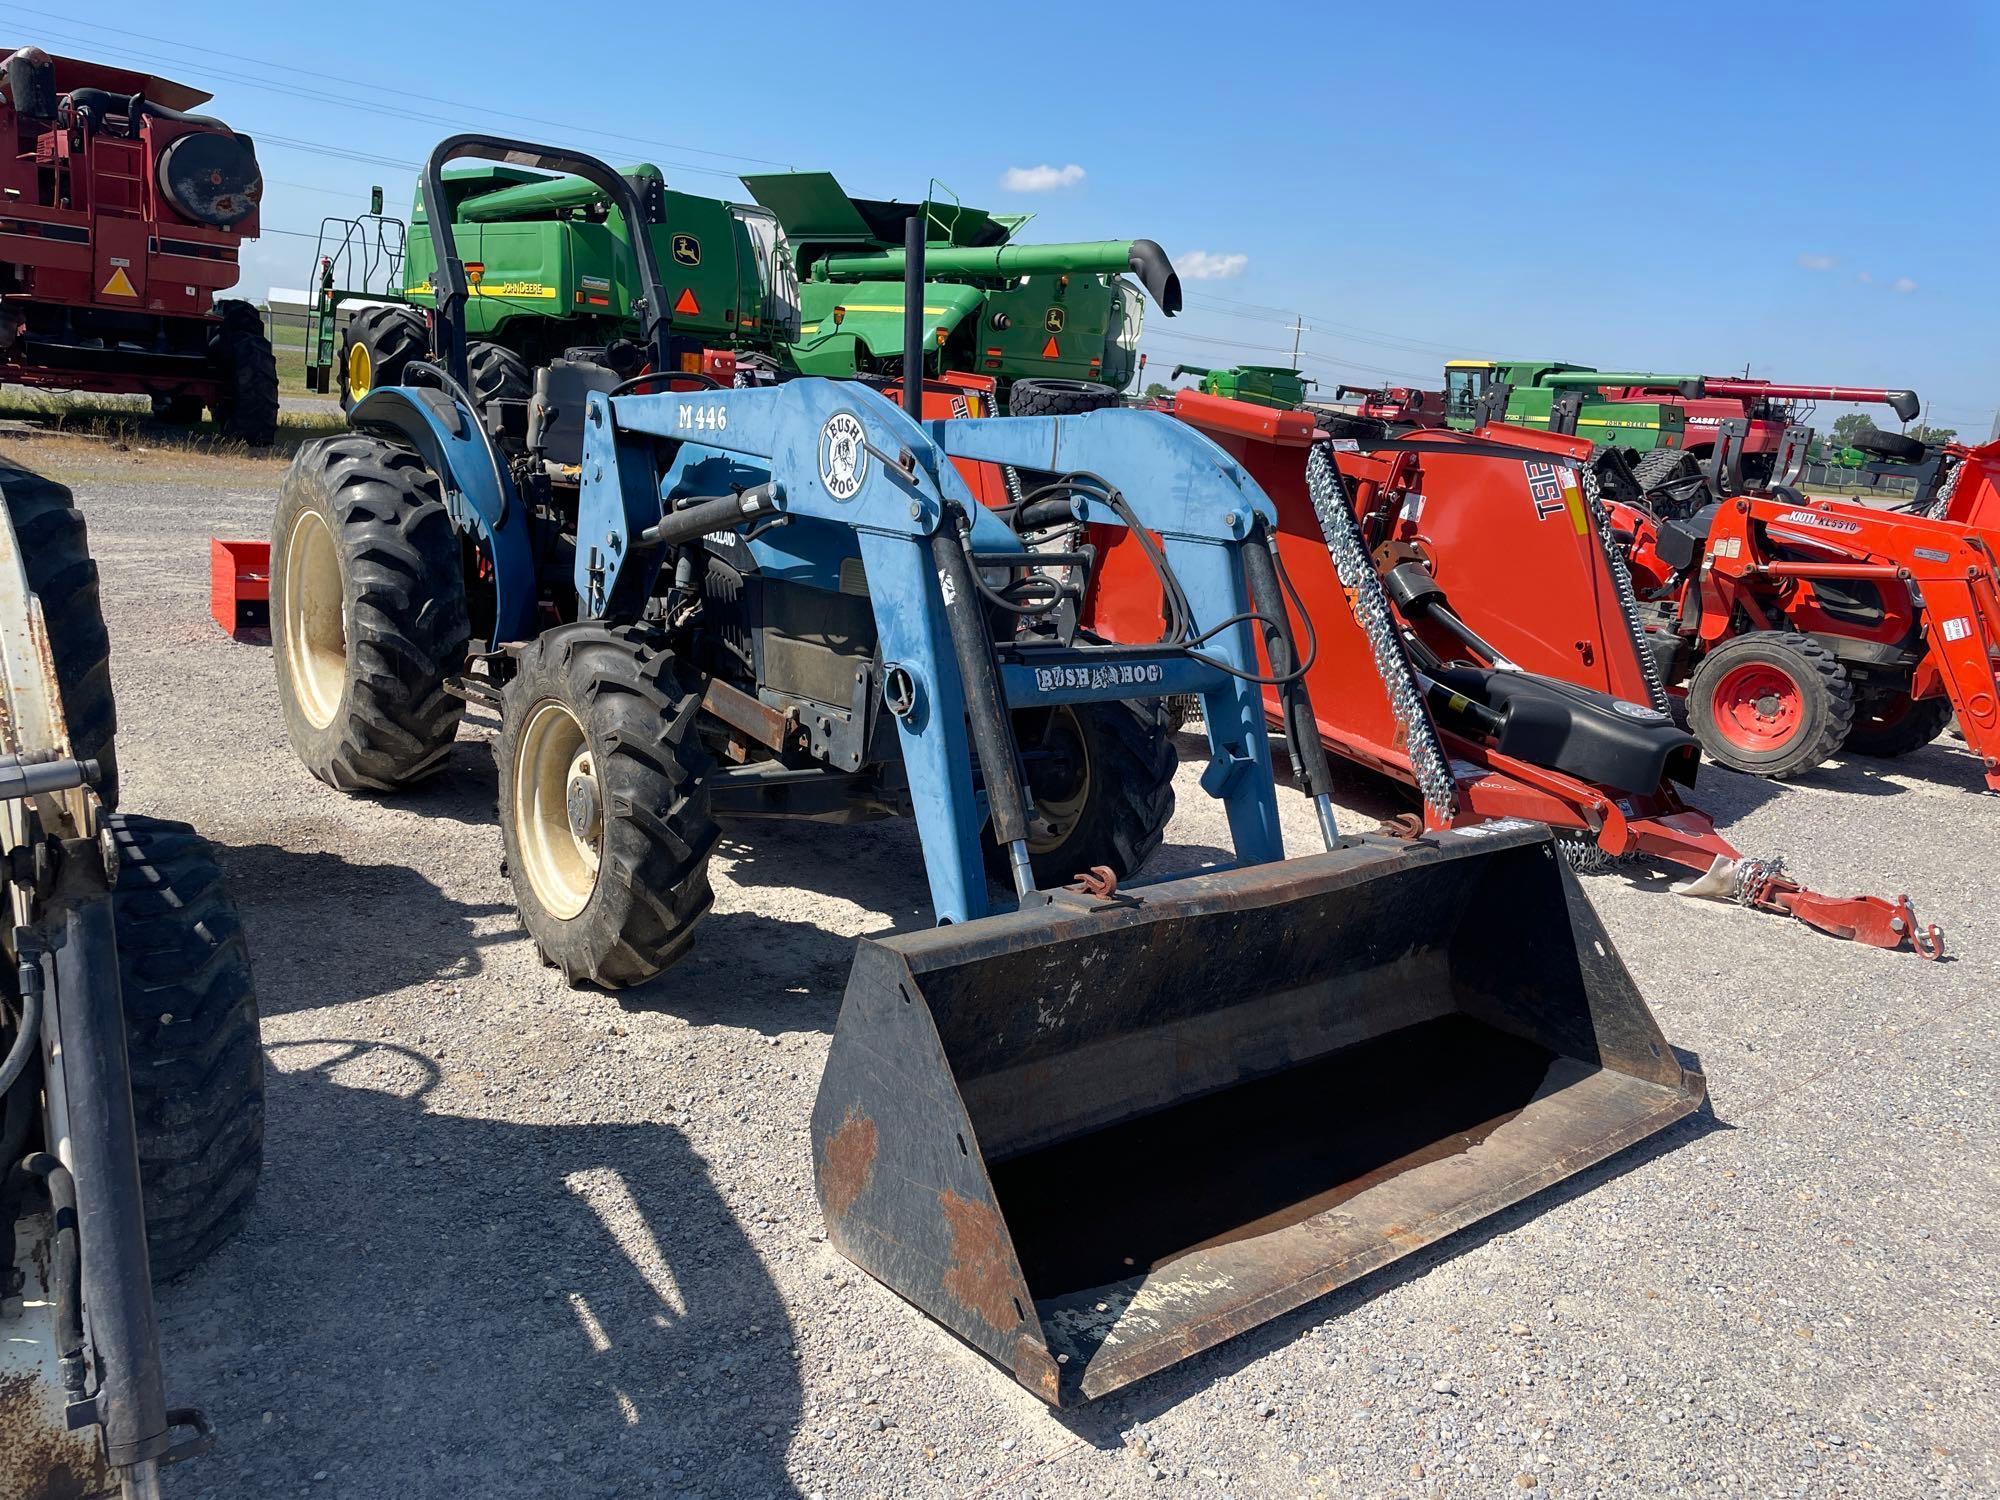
{"points": [[700, 604], [1473, 575], [807, 281], [1800, 626], [131, 1076], [121, 217]]}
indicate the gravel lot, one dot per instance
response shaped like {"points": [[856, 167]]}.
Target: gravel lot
{"points": [[515, 1240]]}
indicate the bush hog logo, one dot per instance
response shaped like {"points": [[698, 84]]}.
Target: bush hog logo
{"points": [[1545, 488], [1817, 518], [843, 455], [1055, 679]]}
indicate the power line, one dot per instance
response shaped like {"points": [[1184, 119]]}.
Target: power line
{"points": [[337, 101]]}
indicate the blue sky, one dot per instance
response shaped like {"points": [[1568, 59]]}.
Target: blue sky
{"points": [[1808, 189]]}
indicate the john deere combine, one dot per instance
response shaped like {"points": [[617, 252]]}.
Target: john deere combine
{"points": [[807, 279], [1568, 398]]}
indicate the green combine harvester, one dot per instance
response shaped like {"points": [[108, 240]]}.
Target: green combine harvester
{"points": [[804, 281], [1261, 385], [1533, 389]]}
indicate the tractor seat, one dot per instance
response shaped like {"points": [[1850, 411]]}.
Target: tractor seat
{"points": [[1681, 543]]}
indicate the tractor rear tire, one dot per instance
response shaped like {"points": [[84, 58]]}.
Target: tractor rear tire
{"points": [[55, 552], [604, 802], [1058, 398], [498, 373], [182, 411], [1771, 703], [1111, 798], [376, 347], [193, 1037], [1895, 446], [368, 614], [241, 352], [1892, 724]]}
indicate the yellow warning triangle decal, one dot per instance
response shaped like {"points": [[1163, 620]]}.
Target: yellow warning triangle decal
{"points": [[120, 285]]}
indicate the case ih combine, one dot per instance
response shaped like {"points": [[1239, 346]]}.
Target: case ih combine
{"points": [[121, 220]]}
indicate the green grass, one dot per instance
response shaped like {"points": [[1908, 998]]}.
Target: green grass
{"points": [[126, 422]]}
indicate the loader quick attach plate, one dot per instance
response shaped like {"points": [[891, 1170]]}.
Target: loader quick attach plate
{"points": [[1094, 1142]]}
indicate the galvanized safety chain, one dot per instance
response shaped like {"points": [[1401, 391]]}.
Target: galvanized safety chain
{"points": [[1356, 570], [1628, 597], [1754, 878], [1934, 509]]}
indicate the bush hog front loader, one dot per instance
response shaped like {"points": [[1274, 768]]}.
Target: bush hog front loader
{"points": [[131, 1077], [1470, 573], [788, 601], [1804, 626]]}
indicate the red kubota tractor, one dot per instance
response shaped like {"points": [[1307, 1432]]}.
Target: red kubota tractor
{"points": [[1800, 627], [1474, 569], [120, 219]]}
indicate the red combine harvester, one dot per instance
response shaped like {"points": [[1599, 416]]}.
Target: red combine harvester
{"points": [[120, 219], [1476, 570], [1804, 626], [1746, 420], [1395, 406]]}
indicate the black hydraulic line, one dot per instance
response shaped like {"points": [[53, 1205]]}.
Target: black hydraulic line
{"points": [[130, 1401], [985, 707], [704, 516], [1260, 552], [65, 1269], [17, 1118], [25, 1044], [913, 315]]}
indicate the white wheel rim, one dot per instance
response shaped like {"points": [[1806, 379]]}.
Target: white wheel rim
{"points": [[315, 628], [557, 803], [1055, 817]]}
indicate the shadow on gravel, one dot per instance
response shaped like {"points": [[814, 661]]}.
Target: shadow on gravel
{"points": [[1103, 1424], [423, 934], [465, 1307]]}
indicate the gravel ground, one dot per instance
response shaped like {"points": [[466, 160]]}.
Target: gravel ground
{"points": [[515, 1240]]}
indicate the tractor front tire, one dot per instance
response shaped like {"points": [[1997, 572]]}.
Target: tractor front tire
{"points": [[55, 553], [368, 614], [604, 803], [193, 1037], [1896, 446], [1058, 398], [377, 345], [1771, 703], [240, 350], [1892, 724], [1101, 776]]}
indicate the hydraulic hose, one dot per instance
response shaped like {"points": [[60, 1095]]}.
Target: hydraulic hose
{"points": [[101, 102], [29, 1038]]}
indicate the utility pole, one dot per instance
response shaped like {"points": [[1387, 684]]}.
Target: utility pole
{"points": [[1298, 327]]}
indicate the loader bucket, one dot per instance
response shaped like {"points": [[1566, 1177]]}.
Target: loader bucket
{"points": [[1094, 1141]]}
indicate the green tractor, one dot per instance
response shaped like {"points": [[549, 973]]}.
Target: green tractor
{"points": [[1545, 394], [805, 281], [1261, 385]]}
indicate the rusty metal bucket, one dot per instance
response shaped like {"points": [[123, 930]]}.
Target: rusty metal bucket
{"points": [[1094, 1141]]}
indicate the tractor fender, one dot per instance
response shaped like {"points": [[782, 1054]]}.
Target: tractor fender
{"points": [[478, 492]]}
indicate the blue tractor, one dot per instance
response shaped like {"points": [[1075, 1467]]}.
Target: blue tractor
{"points": [[1111, 1122]]}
